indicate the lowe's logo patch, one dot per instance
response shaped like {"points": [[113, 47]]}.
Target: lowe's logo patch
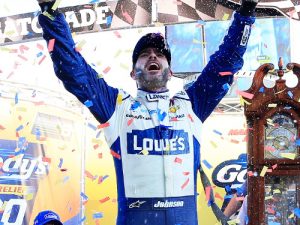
{"points": [[156, 142], [231, 172]]}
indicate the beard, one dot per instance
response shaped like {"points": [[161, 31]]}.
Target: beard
{"points": [[152, 82]]}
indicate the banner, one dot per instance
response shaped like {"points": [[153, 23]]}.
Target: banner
{"points": [[178, 11], [40, 160], [82, 18], [131, 13]]}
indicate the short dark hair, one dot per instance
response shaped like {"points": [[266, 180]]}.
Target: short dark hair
{"points": [[154, 40]]}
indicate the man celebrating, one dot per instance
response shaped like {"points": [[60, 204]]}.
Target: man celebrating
{"points": [[154, 138]]}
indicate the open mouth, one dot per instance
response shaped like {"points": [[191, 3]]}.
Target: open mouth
{"points": [[153, 67]]}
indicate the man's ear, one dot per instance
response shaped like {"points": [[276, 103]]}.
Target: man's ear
{"points": [[132, 74], [170, 74]]}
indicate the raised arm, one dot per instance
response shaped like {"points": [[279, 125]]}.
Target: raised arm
{"points": [[210, 87], [78, 77]]}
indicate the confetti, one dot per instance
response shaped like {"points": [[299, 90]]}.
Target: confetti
{"points": [[43, 58], [2, 127], [245, 94], [225, 73], [98, 215], [217, 132], [84, 196], [185, 184], [129, 122], [103, 125], [263, 171], [272, 105], [51, 45], [297, 212], [290, 94], [226, 86], [46, 159], [297, 142], [207, 192], [145, 152], [262, 89], [274, 166], [115, 154], [104, 200], [178, 160], [288, 155], [225, 16], [118, 35], [207, 164], [119, 99], [213, 144], [61, 161]]}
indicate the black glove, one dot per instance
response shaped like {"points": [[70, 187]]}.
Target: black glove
{"points": [[247, 7], [46, 6]]}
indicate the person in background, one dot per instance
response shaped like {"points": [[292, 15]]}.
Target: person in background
{"points": [[47, 217], [236, 202], [154, 137]]}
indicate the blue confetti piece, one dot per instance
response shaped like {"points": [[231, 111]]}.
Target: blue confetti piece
{"points": [[39, 54], [84, 196], [16, 98], [135, 105], [290, 94], [228, 196], [19, 128], [93, 1], [226, 86], [228, 189], [297, 212], [92, 126], [98, 134], [88, 103], [246, 219], [60, 162], [98, 215], [207, 164], [66, 179], [83, 219], [297, 142], [217, 132], [108, 20], [262, 89]]}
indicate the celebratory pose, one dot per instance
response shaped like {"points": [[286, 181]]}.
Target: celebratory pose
{"points": [[154, 137]]}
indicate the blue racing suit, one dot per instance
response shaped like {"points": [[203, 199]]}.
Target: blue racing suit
{"points": [[154, 137]]}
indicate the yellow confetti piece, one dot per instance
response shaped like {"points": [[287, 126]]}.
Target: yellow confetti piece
{"points": [[3, 205], [119, 99], [9, 33], [195, 41], [280, 91], [56, 4], [158, 24], [96, 141], [276, 191], [81, 44], [288, 155], [291, 216], [234, 221], [29, 196], [100, 76], [117, 53], [269, 197], [225, 16], [21, 109], [145, 152], [45, 13], [263, 171], [272, 105], [270, 138], [213, 144]]}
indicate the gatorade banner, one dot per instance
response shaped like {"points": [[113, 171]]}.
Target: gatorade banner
{"points": [[40, 160], [113, 14], [82, 18]]}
